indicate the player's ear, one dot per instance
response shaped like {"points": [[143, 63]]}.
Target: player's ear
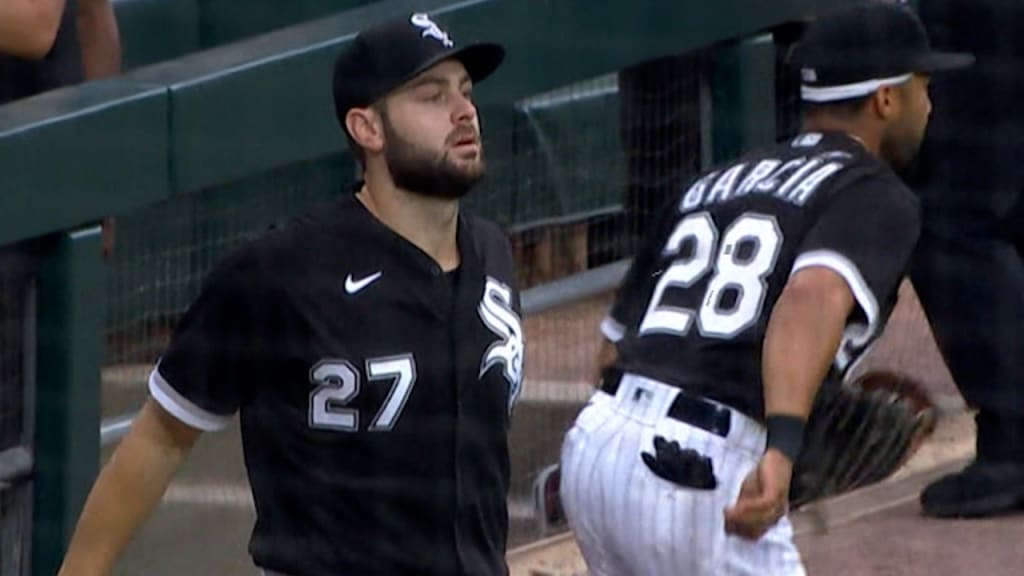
{"points": [[886, 102], [366, 129]]}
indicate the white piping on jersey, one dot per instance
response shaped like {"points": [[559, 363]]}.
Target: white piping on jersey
{"points": [[182, 408], [612, 329], [856, 334], [846, 91]]}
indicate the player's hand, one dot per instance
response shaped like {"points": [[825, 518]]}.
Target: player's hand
{"points": [[763, 499], [606, 356]]}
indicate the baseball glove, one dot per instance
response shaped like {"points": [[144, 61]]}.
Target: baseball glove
{"points": [[859, 432]]}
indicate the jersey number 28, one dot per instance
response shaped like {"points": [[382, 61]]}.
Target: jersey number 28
{"points": [[745, 275]]}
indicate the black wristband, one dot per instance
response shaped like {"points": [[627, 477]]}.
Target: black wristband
{"points": [[785, 434]]}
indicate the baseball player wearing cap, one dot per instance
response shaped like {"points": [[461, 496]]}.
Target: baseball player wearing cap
{"points": [[763, 278], [373, 349]]}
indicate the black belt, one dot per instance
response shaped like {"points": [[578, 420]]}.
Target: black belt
{"points": [[687, 408]]}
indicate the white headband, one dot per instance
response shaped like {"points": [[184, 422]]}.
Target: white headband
{"points": [[847, 91]]}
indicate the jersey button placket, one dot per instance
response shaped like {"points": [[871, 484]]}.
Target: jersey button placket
{"points": [[451, 321]]}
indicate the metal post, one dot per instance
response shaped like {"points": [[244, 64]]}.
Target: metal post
{"points": [[743, 97], [69, 353]]}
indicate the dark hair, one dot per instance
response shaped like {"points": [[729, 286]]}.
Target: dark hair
{"points": [[841, 108]]}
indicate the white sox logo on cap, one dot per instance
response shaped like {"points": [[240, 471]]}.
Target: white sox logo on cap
{"points": [[431, 29]]}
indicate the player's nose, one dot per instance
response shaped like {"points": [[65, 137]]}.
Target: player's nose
{"points": [[463, 109]]}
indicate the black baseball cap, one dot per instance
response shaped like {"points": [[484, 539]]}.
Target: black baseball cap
{"points": [[853, 51], [386, 56]]}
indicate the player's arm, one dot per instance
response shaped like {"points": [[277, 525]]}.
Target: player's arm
{"points": [[630, 304], [28, 28], [99, 38], [623, 313], [849, 265], [196, 385], [803, 334], [606, 356], [802, 337], [128, 490]]}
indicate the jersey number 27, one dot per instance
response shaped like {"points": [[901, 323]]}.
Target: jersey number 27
{"points": [[338, 383], [743, 274]]}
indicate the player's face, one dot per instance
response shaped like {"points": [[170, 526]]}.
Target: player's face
{"points": [[904, 137], [432, 142]]}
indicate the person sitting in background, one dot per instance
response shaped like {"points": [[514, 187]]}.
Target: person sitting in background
{"points": [[29, 28], [99, 39], [47, 44], [39, 48]]}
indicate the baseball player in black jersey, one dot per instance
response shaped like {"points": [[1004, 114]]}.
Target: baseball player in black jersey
{"points": [[760, 280], [373, 350]]}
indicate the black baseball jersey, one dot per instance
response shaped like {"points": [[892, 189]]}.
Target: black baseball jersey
{"points": [[374, 393], [695, 305]]}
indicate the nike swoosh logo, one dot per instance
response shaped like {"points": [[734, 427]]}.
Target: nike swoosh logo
{"points": [[353, 286]]}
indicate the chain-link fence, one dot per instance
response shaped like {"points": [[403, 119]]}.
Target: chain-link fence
{"points": [[600, 157], [162, 252]]}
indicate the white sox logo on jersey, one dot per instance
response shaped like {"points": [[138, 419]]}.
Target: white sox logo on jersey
{"points": [[497, 313]]}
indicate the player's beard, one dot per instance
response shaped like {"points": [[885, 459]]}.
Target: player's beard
{"points": [[900, 150], [423, 172], [900, 154]]}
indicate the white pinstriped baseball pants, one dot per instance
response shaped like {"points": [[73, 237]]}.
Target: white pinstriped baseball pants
{"points": [[630, 522]]}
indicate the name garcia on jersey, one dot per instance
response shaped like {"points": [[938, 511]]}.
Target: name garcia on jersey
{"points": [[794, 181]]}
